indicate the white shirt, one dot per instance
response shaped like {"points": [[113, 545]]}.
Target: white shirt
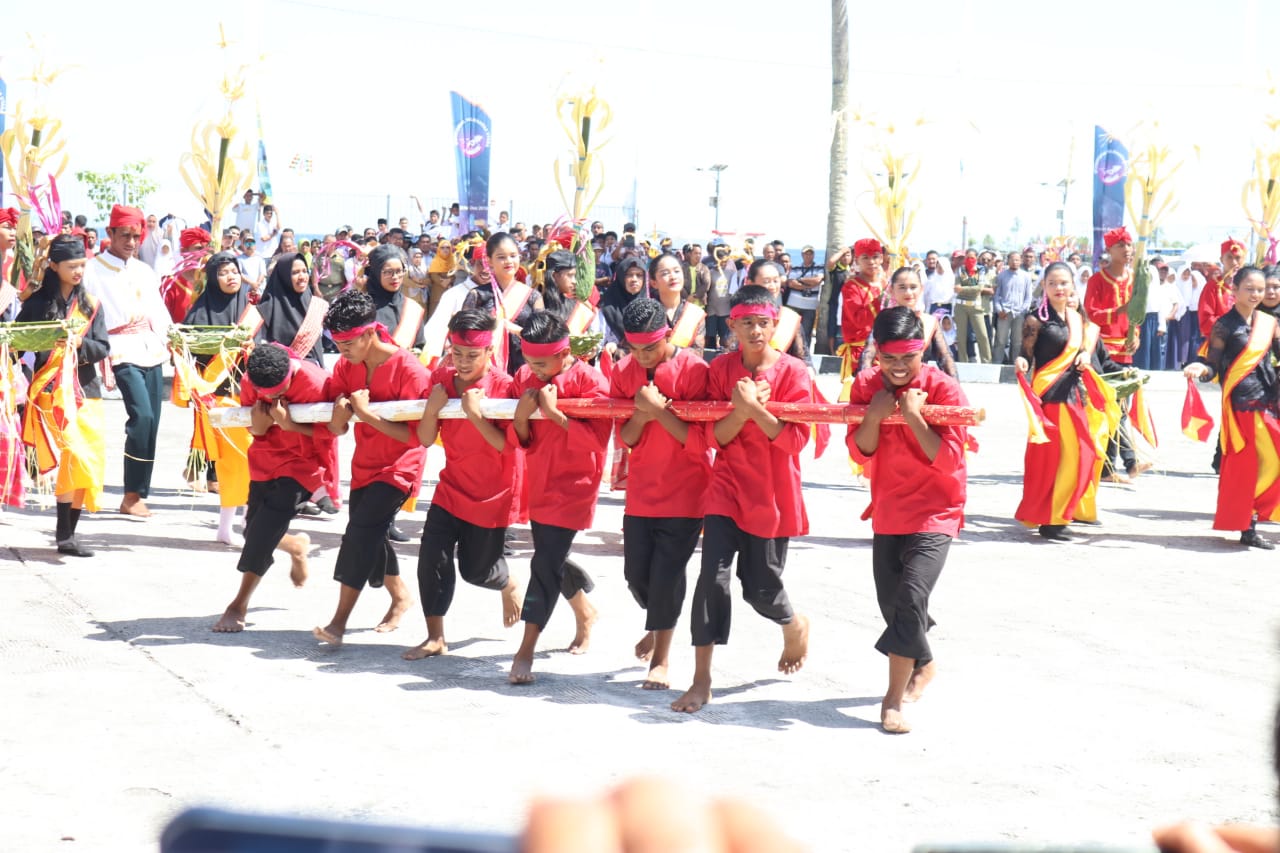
{"points": [[246, 215], [128, 291], [150, 246], [268, 236], [939, 287]]}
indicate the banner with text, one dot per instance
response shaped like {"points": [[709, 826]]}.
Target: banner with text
{"points": [[1110, 166], [472, 139]]}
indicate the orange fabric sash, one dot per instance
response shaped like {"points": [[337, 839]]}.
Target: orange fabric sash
{"points": [[1261, 335], [580, 319], [687, 326], [784, 333], [1052, 371]]}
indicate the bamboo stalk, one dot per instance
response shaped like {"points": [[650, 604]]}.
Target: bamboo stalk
{"points": [[614, 409]]}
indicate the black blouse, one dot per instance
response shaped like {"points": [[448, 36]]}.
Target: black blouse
{"points": [[1230, 336]]}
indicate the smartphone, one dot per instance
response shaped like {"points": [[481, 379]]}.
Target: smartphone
{"points": [[205, 830]]}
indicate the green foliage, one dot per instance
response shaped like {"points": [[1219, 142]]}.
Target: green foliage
{"points": [[584, 279], [130, 186]]}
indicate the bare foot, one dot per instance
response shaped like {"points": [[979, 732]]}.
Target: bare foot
{"points": [[586, 616], [521, 670], [229, 538], [510, 603], [329, 634], [298, 559], [693, 699], [134, 505], [392, 620], [657, 678], [892, 721], [430, 647], [1139, 469], [795, 645], [920, 679], [232, 622], [644, 648]]}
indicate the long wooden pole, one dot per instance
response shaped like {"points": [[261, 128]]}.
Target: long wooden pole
{"points": [[614, 409]]}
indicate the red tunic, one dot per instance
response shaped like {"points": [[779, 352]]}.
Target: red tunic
{"points": [[910, 494], [291, 454], [1105, 302], [564, 467], [478, 484], [755, 481], [178, 294], [667, 479], [1216, 299], [860, 303], [379, 458]]}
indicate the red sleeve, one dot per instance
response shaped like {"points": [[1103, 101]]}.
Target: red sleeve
{"points": [[340, 381], [864, 387], [693, 386], [622, 381], [248, 391], [794, 387], [946, 392], [1098, 301]]}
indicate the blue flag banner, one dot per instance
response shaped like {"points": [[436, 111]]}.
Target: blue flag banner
{"points": [[264, 177], [1110, 166], [472, 139], [4, 108]]}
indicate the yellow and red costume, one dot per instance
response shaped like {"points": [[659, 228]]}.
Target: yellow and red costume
{"points": [[859, 304], [1106, 301]]}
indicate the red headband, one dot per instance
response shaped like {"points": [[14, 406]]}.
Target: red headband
{"points": [[867, 246], [744, 310], [192, 237], [276, 390], [543, 350], [1232, 246], [8, 216], [471, 338], [125, 217], [641, 339], [1117, 235], [902, 347], [352, 334]]}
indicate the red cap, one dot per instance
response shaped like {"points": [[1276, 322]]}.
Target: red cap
{"points": [[192, 237], [1232, 246], [8, 216], [124, 217], [1117, 235], [867, 246]]}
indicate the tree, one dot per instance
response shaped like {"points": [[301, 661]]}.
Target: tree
{"points": [[838, 168], [129, 186]]}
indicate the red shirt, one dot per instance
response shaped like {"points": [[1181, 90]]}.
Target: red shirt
{"points": [[564, 467], [860, 303], [1105, 304], [291, 454], [910, 494], [755, 481], [667, 479], [478, 484], [379, 458], [1216, 299]]}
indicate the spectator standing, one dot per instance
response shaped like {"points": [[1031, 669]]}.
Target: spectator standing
{"points": [[939, 283], [1012, 301], [253, 269], [697, 278], [969, 313], [804, 289], [268, 232], [247, 212]]}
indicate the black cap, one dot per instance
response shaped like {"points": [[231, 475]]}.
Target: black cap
{"points": [[561, 260]]}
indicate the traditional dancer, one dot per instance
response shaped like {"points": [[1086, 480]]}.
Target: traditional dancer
{"points": [[476, 498], [564, 461], [918, 487], [1059, 470], [511, 301], [1243, 346], [1218, 294], [560, 295], [386, 467], [178, 290], [286, 464], [754, 504], [669, 475], [78, 435], [905, 290], [859, 303], [687, 320], [137, 321]]}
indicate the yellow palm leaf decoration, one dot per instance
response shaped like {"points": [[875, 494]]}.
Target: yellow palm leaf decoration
{"points": [[892, 212], [581, 115]]}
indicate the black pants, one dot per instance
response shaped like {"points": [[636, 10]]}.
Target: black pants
{"points": [[366, 555], [140, 389], [906, 567], [656, 554], [272, 505], [551, 571], [760, 564], [1121, 442], [479, 551]]}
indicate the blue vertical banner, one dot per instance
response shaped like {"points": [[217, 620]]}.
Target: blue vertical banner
{"points": [[472, 139], [264, 176], [1110, 166], [4, 108]]}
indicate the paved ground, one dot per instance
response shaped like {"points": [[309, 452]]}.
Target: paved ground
{"points": [[1087, 691]]}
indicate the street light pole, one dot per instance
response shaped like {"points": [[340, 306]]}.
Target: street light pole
{"points": [[715, 199]]}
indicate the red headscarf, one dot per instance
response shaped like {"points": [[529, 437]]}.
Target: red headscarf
{"points": [[1232, 246], [192, 237], [867, 246], [126, 217], [8, 216], [1117, 235]]}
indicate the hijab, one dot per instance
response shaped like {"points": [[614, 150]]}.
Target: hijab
{"points": [[616, 298], [213, 307], [283, 308]]}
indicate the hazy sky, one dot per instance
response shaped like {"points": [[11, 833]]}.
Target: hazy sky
{"points": [[362, 90]]}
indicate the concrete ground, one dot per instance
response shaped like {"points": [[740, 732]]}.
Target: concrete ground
{"points": [[1086, 691]]}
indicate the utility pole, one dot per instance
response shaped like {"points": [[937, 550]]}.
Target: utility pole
{"points": [[715, 199]]}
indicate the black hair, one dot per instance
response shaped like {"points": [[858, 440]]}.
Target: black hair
{"points": [[81, 220], [215, 263], [613, 234], [544, 327], [758, 264], [64, 247], [1059, 265], [899, 271], [657, 259], [381, 221], [378, 259], [349, 310], [644, 315], [497, 239], [1271, 271], [751, 294], [472, 320], [899, 323], [268, 366], [1243, 273]]}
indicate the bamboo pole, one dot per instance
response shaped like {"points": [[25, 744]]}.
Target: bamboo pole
{"points": [[614, 409]]}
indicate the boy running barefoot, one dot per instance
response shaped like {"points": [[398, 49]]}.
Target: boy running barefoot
{"points": [[669, 475], [564, 461], [918, 484], [286, 463], [386, 466], [474, 500], [754, 504]]}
